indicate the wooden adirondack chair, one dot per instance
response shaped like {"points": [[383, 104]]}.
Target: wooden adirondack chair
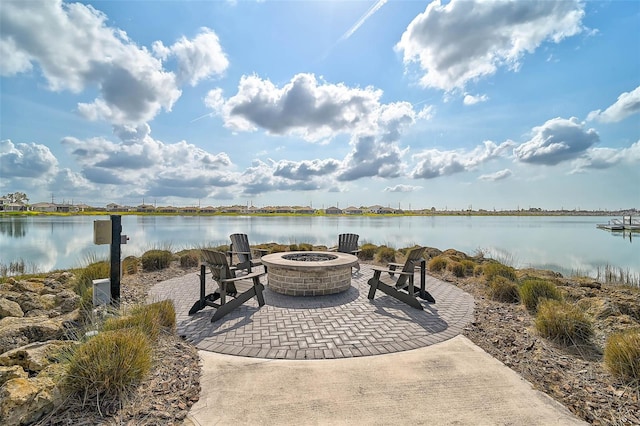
{"points": [[348, 243], [403, 288], [229, 286], [241, 248]]}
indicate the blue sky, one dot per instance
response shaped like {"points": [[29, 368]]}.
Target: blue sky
{"points": [[482, 104]]}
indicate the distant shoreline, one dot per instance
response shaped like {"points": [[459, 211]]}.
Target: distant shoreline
{"points": [[405, 213]]}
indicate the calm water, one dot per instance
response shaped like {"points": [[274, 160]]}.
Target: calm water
{"points": [[563, 244]]}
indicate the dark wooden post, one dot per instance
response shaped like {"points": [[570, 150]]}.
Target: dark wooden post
{"points": [[114, 276]]}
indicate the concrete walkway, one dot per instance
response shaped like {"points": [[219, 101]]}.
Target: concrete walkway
{"points": [[343, 359]]}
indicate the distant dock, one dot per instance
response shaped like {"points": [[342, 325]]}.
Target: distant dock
{"points": [[627, 223]]}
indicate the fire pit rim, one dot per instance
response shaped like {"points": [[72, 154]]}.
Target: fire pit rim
{"points": [[277, 259]]}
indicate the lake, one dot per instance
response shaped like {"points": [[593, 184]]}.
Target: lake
{"points": [[560, 243]]}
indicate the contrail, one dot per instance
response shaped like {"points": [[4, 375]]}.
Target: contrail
{"points": [[373, 9], [201, 117]]}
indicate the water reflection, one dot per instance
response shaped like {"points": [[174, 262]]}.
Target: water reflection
{"points": [[563, 244]]}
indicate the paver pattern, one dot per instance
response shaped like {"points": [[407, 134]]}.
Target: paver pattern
{"points": [[342, 325]]}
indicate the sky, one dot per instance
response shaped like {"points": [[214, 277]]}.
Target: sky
{"points": [[408, 104]]}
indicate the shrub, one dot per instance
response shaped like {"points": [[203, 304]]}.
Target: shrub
{"points": [[91, 272], [278, 248], [437, 264], [456, 269], [622, 355], [189, 259], [386, 254], [162, 313], [563, 322], [532, 291], [154, 260], [305, 247], [504, 290], [469, 266], [493, 269], [109, 364], [130, 265], [293, 247], [148, 318], [367, 251]]}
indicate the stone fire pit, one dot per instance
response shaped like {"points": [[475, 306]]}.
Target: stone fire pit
{"points": [[309, 273]]}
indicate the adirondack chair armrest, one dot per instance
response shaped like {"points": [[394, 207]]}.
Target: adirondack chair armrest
{"points": [[391, 271], [243, 277]]}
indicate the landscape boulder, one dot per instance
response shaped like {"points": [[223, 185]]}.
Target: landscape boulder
{"points": [[9, 308]]}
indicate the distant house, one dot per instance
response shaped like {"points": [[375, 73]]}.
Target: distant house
{"points": [[14, 207], [232, 209], [189, 209], [208, 209], [375, 209], [113, 207], [3, 201], [352, 210], [305, 210], [145, 208], [167, 209], [386, 210], [333, 210], [44, 207]]}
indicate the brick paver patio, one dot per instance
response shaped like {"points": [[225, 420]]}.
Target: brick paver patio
{"points": [[320, 327]]}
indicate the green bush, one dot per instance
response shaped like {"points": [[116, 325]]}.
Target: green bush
{"points": [[190, 259], [154, 260], [91, 272], [278, 248], [622, 355], [502, 289], [151, 319], [109, 364], [305, 247], [437, 264], [367, 251], [469, 266], [493, 269], [563, 322], [456, 268], [533, 290], [386, 254], [162, 313], [130, 265]]}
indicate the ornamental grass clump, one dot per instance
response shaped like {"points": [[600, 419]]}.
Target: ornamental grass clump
{"points": [[533, 290], [437, 264], [622, 355], [108, 365], [130, 265], [456, 268], [190, 258], [93, 271], [493, 269], [385, 254], [151, 319], [502, 289], [367, 251], [563, 322], [154, 260]]}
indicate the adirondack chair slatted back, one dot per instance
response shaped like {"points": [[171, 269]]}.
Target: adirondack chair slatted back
{"points": [[414, 256], [217, 263], [240, 246], [348, 243]]}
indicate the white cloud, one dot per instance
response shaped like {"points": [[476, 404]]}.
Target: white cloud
{"points": [[197, 59], [305, 170], [556, 141], [26, 160], [464, 40], [402, 188], [75, 48], [499, 175], [474, 99], [604, 158], [628, 103], [142, 165], [310, 109], [434, 163], [371, 157]]}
